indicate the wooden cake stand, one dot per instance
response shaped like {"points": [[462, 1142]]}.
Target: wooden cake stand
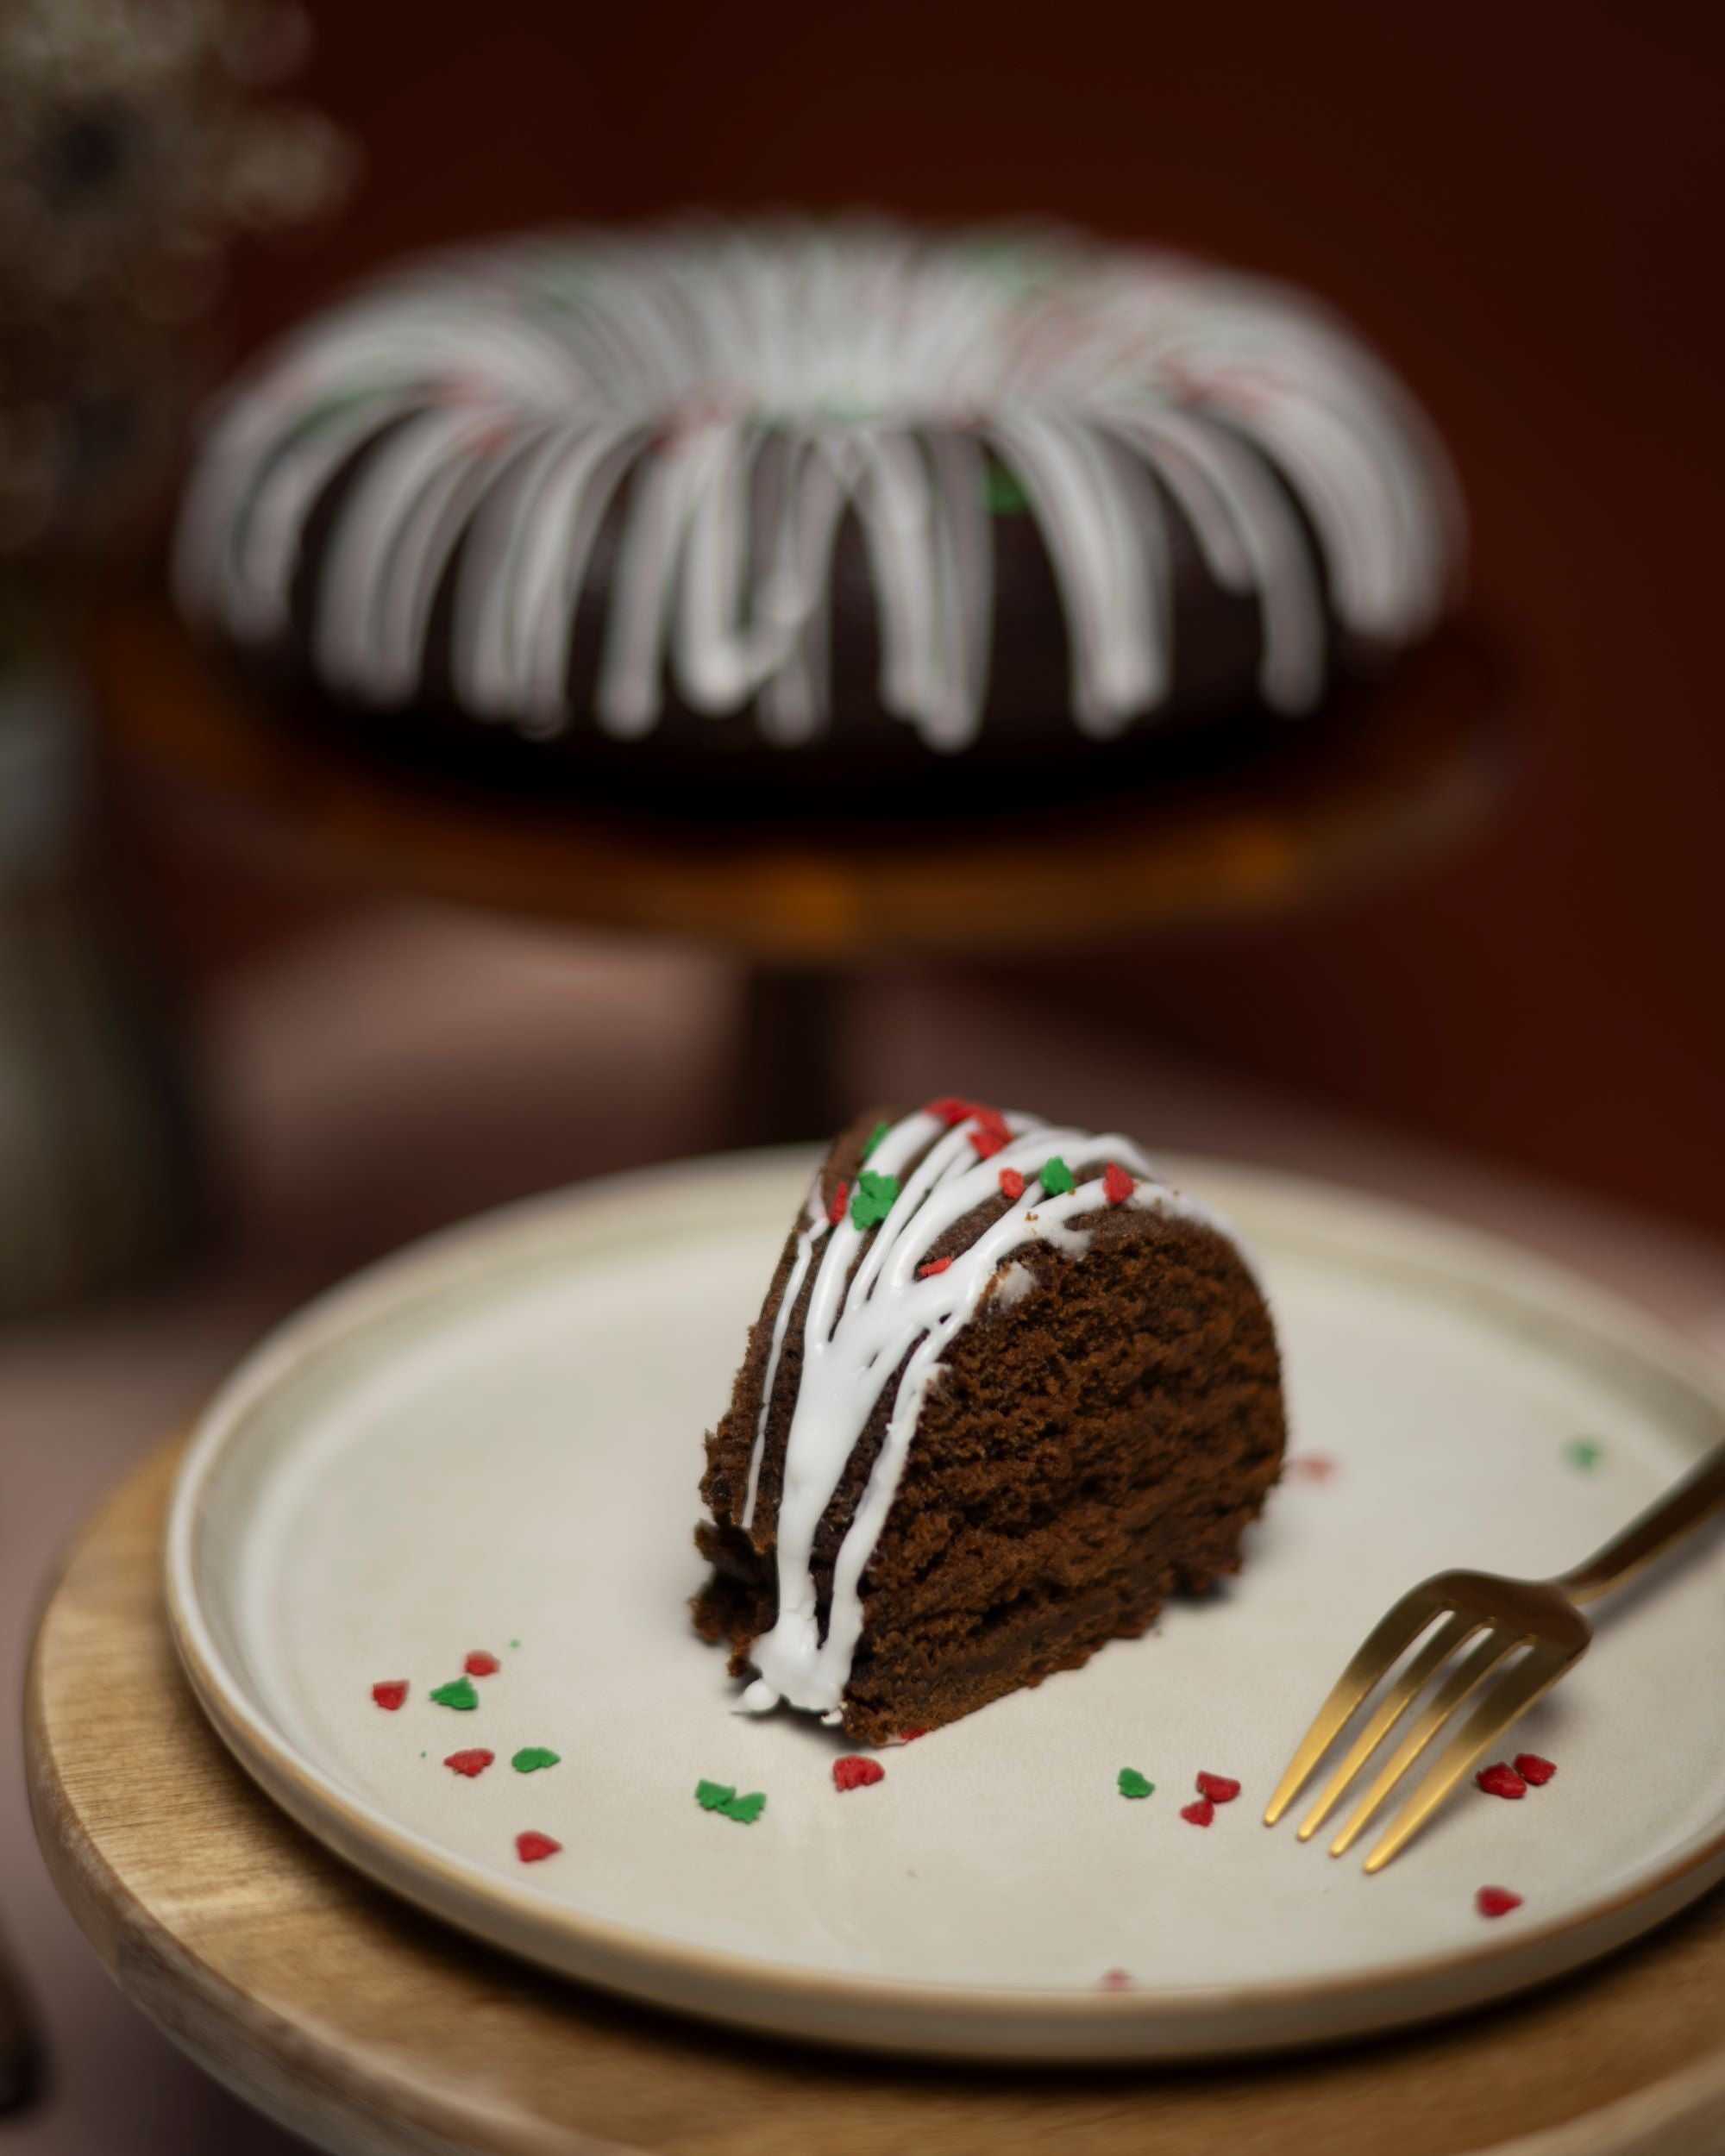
{"points": [[367, 2028], [806, 908]]}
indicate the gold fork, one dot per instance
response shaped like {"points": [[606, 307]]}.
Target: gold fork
{"points": [[1499, 1617]]}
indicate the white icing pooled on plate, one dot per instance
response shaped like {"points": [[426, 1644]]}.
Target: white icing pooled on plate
{"points": [[857, 1332], [732, 394]]}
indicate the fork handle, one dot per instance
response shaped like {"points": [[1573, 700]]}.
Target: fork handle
{"points": [[1696, 1498]]}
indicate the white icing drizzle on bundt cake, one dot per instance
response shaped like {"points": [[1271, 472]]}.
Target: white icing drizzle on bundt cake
{"points": [[923, 1176], [730, 394]]}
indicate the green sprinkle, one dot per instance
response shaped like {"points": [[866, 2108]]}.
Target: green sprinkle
{"points": [[875, 1137], [1133, 1783], [458, 1695], [422, 1755], [515, 1643], [873, 1198], [532, 1757], [1003, 493], [1583, 1453], [720, 1796], [1055, 1177]]}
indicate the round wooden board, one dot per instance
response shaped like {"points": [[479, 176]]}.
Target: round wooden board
{"points": [[1419, 768], [368, 2028]]}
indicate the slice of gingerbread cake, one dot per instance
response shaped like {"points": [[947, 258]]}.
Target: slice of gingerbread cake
{"points": [[1008, 1392]]}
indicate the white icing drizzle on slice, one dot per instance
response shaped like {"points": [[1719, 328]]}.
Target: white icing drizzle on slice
{"points": [[858, 1332], [814, 1225]]}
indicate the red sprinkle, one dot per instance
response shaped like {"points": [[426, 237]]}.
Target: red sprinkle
{"points": [[1013, 1183], [1200, 1813], [1115, 1980], [1496, 1901], [1501, 1781], [470, 1762], [951, 1110], [480, 1664], [1315, 1467], [1117, 1185], [934, 1265], [1531, 1768], [991, 1132], [1218, 1788], [533, 1847], [834, 1211], [856, 1773], [910, 1736], [390, 1694]]}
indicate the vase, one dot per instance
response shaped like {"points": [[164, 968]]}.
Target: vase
{"points": [[100, 1182]]}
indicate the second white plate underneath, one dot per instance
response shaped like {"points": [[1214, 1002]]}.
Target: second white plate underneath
{"points": [[493, 1443]]}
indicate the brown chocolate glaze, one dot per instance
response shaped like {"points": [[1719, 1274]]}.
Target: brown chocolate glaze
{"points": [[1088, 1449]]}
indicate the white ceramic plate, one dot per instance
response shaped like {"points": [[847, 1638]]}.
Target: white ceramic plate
{"points": [[496, 1438]]}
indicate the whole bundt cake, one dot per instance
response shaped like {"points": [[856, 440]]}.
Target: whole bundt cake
{"points": [[850, 496]]}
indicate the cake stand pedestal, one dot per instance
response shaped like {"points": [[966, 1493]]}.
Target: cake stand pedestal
{"points": [[806, 909], [373, 2032]]}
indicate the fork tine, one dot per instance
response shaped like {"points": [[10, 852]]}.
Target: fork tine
{"points": [[1455, 1631], [1393, 1634], [1465, 1678], [1504, 1704]]}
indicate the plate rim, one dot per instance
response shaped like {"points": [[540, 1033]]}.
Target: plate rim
{"points": [[1037, 2024]]}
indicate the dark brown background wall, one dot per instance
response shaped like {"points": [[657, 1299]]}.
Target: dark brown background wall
{"points": [[1521, 205]]}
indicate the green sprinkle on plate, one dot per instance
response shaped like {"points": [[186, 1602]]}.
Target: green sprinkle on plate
{"points": [[531, 1757], [721, 1796], [1133, 1783], [1583, 1453], [460, 1694]]}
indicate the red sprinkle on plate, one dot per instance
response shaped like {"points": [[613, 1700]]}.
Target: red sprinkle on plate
{"points": [[1531, 1768], [480, 1664], [533, 1847], [390, 1694], [1114, 1980], [1309, 1467], [854, 1772], [1221, 1788], [1200, 1813], [1501, 1781], [470, 1762], [1496, 1901]]}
